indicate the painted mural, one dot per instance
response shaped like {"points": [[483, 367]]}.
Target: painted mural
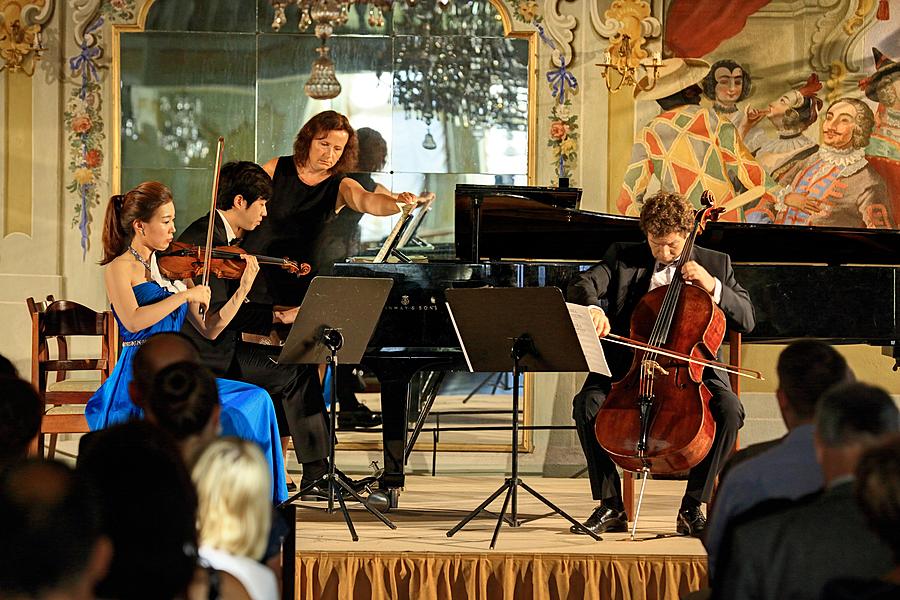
{"points": [[779, 136]]}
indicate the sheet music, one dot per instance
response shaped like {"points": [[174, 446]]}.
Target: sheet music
{"points": [[587, 337]]}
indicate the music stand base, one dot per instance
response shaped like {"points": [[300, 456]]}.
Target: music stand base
{"points": [[334, 340], [510, 486]]}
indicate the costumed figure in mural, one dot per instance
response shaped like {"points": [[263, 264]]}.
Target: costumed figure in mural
{"points": [[726, 84], [689, 149], [137, 225], [791, 115], [883, 151], [836, 186]]}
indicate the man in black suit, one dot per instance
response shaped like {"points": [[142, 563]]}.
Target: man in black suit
{"points": [[612, 289], [244, 189], [791, 551]]}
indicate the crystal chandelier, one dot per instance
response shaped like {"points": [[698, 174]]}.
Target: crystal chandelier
{"points": [[325, 15], [465, 79]]}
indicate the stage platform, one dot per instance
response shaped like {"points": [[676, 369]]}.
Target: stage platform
{"points": [[540, 559]]}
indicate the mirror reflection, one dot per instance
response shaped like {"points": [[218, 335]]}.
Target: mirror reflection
{"points": [[442, 97]]}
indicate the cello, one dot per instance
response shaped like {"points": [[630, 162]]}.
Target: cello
{"points": [[656, 419]]}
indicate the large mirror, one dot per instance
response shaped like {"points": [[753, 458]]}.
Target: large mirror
{"points": [[446, 90]]}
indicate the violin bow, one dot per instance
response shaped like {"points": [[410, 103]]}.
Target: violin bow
{"points": [[220, 146], [743, 372]]}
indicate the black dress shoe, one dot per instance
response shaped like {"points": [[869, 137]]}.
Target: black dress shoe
{"points": [[291, 486], [360, 417], [690, 522], [604, 519], [319, 493]]}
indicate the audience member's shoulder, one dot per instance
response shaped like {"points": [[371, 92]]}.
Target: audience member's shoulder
{"points": [[857, 588], [748, 463], [770, 514]]}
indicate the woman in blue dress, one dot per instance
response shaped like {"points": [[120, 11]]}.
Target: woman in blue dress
{"points": [[144, 302]]}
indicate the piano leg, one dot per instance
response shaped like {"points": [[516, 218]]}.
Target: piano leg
{"points": [[394, 414]]}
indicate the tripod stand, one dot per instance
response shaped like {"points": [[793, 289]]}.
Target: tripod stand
{"points": [[355, 304], [483, 322]]}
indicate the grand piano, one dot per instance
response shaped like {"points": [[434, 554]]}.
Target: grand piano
{"points": [[839, 285]]}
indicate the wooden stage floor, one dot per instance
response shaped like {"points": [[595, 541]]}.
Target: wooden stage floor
{"points": [[539, 559]]}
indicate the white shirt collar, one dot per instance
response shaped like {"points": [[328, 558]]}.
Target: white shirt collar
{"points": [[229, 232]]}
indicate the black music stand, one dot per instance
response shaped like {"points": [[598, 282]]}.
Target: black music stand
{"points": [[535, 329], [338, 314]]}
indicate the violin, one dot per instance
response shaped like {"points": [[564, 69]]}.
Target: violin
{"points": [[656, 418], [186, 261]]}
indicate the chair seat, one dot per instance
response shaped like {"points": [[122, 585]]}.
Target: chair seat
{"points": [[74, 385]]}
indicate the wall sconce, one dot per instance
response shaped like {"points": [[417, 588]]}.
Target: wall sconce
{"points": [[629, 70], [17, 42]]}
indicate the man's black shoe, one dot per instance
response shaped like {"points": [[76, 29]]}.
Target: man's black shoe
{"points": [[319, 493], [360, 417], [604, 519], [690, 522]]}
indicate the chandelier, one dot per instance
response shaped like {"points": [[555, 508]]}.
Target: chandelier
{"points": [[468, 80], [325, 15]]}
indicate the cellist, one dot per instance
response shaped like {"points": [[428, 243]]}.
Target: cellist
{"points": [[612, 289]]}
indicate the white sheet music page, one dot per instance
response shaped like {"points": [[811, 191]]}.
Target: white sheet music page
{"points": [[587, 337]]}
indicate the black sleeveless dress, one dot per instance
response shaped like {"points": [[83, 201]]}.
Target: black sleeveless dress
{"points": [[297, 215]]}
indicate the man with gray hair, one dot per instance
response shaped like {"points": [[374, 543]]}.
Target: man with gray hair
{"points": [[793, 552], [836, 186]]}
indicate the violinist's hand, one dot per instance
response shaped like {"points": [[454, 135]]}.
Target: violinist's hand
{"points": [[285, 317], [250, 271], [199, 294], [695, 274], [601, 322]]}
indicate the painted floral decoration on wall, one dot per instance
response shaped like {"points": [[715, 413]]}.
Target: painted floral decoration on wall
{"points": [[527, 11], [563, 137], [84, 120]]}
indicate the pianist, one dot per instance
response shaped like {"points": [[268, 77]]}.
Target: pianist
{"points": [[627, 272]]}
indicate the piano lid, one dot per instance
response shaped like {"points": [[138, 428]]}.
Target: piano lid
{"points": [[514, 222]]}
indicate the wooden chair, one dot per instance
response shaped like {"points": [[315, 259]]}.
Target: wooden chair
{"points": [[55, 320], [734, 359]]}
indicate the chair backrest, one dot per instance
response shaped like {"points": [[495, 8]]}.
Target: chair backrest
{"points": [[62, 318]]}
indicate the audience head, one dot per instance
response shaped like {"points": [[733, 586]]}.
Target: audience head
{"points": [[184, 402], [50, 540], [878, 491], [806, 369], [7, 369], [158, 352], [233, 483], [153, 527], [21, 411], [850, 418], [138, 212], [323, 132]]}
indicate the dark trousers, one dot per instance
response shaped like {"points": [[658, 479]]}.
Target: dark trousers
{"points": [[296, 392], [726, 410]]}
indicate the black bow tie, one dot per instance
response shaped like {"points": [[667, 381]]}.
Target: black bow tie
{"points": [[662, 267], [236, 242]]}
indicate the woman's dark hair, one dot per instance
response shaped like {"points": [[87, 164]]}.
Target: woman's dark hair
{"points": [[709, 82], [123, 210], [372, 150], [242, 178], [182, 398], [318, 127]]}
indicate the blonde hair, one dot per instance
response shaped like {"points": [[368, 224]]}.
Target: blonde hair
{"points": [[233, 487]]}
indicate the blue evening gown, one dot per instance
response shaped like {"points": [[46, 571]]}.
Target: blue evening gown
{"points": [[247, 410]]}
